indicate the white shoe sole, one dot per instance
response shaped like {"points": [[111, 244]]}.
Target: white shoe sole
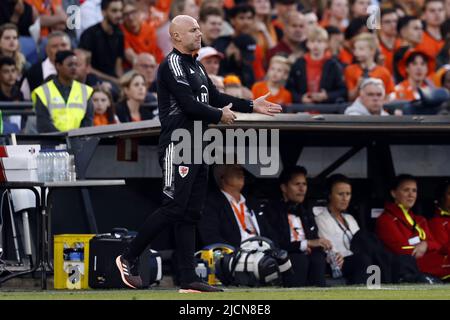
{"points": [[122, 275]]}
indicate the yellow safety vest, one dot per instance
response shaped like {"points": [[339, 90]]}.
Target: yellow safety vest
{"points": [[65, 116]]}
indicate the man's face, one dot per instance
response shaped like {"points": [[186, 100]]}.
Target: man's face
{"points": [[68, 68], [417, 69], [295, 190], [295, 28], [131, 17], [283, 10], [335, 42], [57, 44], [434, 13], [311, 21], [235, 178], [243, 22], [372, 98], [82, 66], [212, 27], [191, 9], [339, 9], [8, 75], [190, 36], [113, 14], [413, 32], [389, 24], [359, 8], [147, 67], [211, 64]]}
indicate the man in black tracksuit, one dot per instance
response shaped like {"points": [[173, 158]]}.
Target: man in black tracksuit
{"points": [[185, 95]]}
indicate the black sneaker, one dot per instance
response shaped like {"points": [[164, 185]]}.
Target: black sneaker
{"points": [[198, 287], [125, 268]]}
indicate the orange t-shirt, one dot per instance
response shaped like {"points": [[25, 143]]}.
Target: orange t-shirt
{"points": [[404, 91], [45, 7], [430, 45], [101, 119], [345, 56], [313, 73], [354, 71], [389, 54], [282, 97], [258, 64], [144, 41]]}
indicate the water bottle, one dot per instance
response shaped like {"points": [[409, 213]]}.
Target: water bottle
{"points": [[48, 165], [40, 166], [65, 166], [336, 271], [72, 174]]}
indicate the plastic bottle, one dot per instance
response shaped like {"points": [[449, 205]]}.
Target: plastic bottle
{"points": [[40, 158], [336, 271], [72, 175]]}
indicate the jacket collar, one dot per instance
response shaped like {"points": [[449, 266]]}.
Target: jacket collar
{"points": [[187, 56], [395, 210]]}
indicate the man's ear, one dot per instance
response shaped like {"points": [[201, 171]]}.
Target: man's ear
{"points": [[283, 188], [392, 194]]}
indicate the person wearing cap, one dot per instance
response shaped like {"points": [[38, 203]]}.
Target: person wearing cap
{"points": [[239, 48], [63, 104], [370, 100], [210, 58], [417, 68]]}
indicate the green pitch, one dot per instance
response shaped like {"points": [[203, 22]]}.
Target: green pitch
{"points": [[419, 292]]}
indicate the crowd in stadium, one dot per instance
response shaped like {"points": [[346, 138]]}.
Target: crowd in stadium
{"points": [[301, 51]]}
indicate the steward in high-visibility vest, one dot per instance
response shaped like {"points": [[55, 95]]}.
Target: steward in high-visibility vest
{"points": [[63, 104]]}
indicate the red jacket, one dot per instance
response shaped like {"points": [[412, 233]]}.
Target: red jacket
{"points": [[394, 230], [440, 227]]}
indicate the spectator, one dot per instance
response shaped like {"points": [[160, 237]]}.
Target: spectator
{"points": [[210, 59], [264, 32], [139, 36], [52, 16], [365, 46], [20, 13], [439, 224], [410, 31], [146, 65], [211, 22], [177, 7], [370, 100], [9, 47], [443, 57], [84, 74], [34, 77], [294, 230], [356, 27], [239, 49], [447, 9], [228, 216], [218, 82], [417, 68], [292, 44], [130, 109], [358, 8], [335, 43], [233, 86], [9, 91], [283, 8], [336, 14], [91, 11], [276, 78], [434, 16], [311, 20], [387, 36], [106, 43], [63, 104], [104, 111], [445, 79], [316, 78], [405, 233], [340, 228]]}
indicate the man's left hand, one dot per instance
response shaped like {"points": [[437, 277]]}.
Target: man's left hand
{"points": [[261, 105]]}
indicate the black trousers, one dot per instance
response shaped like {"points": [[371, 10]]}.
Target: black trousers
{"points": [[184, 194], [355, 268], [308, 269]]}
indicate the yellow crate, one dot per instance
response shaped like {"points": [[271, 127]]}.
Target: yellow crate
{"points": [[71, 274]]}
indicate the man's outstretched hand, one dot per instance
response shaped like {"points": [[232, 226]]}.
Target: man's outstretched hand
{"points": [[261, 105]]}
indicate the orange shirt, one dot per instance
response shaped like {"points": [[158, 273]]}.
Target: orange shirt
{"points": [[282, 97], [389, 54], [313, 73], [258, 64], [144, 41], [101, 119], [45, 7], [404, 91], [354, 71], [430, 45], [345, 56]]}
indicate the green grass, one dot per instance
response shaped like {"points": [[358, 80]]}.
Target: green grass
{"points": [[404, 292]]}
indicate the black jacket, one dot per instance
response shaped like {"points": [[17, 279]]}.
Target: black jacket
{"points": [[276, 213], [186, 94], [332, 81], [218, 223], [124, 115]]}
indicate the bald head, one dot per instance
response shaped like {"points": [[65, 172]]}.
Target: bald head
{"points": [[185, 34]]}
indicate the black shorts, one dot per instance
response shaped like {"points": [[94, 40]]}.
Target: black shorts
{"points": [[184, 186]]}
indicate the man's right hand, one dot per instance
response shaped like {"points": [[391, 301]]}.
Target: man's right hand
{"points": [[228, 116]]}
